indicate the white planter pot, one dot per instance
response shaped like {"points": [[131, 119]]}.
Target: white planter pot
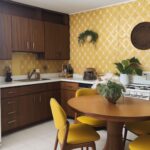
{"points": [[124, 79], [89, 38]]}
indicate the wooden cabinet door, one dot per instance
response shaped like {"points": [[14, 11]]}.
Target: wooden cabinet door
{"points": [[65, 96], [39, 106], [51, 94], [64, 44], [26, 109], [51, 41], [5, 36], [21, 34], [56, 41], [37, 35]]}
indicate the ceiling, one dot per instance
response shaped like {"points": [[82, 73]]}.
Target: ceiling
{"points": [[71, 6]]}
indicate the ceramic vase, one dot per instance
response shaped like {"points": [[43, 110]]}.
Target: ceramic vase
{"points": [[89, 38], [124, 79]]}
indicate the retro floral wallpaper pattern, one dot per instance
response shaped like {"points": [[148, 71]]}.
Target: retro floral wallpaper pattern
{"points": [[114, 25]]}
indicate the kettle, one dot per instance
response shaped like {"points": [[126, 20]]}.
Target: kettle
{"points": [[90, 74]]}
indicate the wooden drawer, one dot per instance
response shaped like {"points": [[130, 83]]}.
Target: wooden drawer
{"points": [[9, 106], [69, 86], [25, 90], [22, 90], [53, 86], [9, 124], [10, 92]]}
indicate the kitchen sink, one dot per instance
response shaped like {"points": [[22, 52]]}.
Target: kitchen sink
{"points": [[30, 80]]}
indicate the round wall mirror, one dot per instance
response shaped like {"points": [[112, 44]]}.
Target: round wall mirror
{"points": [[140, 36]]}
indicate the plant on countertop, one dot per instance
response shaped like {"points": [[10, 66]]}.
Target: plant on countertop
{"points": [[89, 36], [130, 66], [112, 91]]}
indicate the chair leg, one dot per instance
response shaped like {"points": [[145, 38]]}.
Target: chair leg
{"points": [[75, 118], [56, 143], [125, 136], [87, 148], [93, 146], [81, 148]]}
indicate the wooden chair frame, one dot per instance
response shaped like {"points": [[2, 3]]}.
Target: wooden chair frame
{"points": [[66, 146], [125, 136]]}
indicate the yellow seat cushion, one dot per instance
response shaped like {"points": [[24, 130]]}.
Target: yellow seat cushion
{"points": [[141, 143], [79, 133], [142, 127], [91, 121]]}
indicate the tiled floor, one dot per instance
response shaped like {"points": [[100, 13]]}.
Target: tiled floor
{"points": [[40, 137]]}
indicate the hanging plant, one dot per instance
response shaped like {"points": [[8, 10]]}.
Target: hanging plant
{"points": [[87, 36]]}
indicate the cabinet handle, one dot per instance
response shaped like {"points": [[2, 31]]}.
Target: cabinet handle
{"points": [[11, 92], [40, 99], [9, 103], [34, 100], [69, 87], [12, 112], [28, 45], [11, 122], [33, 45]]}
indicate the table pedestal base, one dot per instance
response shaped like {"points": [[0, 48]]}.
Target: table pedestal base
{"points": [[114, 136]]}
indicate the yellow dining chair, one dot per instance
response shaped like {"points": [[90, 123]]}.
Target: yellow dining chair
{"points": [[138, 128], [141, 143], [96, 123], [71, 136]]}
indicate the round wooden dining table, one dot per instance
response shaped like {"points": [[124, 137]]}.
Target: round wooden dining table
{"points": [[125, 110]]}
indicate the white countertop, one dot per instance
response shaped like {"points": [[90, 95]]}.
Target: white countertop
{"points": [[51, 77]]}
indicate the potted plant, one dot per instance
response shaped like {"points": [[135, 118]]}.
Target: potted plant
{"points": [[112, 91], [128, 67], [87, 36]]}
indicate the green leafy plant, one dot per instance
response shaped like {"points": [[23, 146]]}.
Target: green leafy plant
{"points": [[112, 91], [130, 66], [82, 38]]}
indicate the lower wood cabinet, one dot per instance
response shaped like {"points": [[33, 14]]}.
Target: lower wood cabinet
{"points": [[25, 105], [68, 90], [10, 113], [20, 109], [26, 110]]}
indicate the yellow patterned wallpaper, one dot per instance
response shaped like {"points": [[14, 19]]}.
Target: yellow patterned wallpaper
{"points": [[114, 26], [21, 63]]}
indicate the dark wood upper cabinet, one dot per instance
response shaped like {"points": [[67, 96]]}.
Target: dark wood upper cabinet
{"points": [[64, 42], [37, 35], [56, 41], [5, 36], [20, 34], [27, 35], [30, 29]]}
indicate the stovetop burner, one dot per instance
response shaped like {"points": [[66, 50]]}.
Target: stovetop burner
{"points": [[138, 87]]}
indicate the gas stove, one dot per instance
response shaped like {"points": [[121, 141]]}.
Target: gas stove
{"points": [[138, 87], [140, 91]]}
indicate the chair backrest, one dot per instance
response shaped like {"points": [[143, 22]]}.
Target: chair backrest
{"points": [[85, 92], [58, 113]]}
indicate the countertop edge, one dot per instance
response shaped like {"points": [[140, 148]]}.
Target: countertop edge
{"points": [[20, 83]]}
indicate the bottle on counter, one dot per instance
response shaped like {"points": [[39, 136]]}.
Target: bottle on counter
{"points": [[70, 70], [8, 74]]}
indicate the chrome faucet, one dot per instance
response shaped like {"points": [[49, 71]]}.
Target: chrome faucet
{"points": [[31, 73]]}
